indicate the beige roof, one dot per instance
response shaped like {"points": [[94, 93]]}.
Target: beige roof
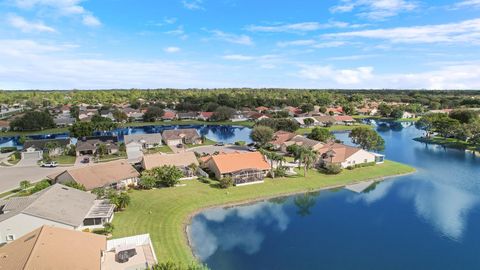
{"points": [[54, 248], [158, 160], [300, 140], [102, 174], [281, 136], [143, 138], [340, 152], [175, 134], [232, 162]]}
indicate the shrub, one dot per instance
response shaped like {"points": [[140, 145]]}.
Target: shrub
{"points": [[333, 169], [40, 186], [280, 172], [240, 143], [226, 182], [147, 182], [203, 179], [178, 266]]}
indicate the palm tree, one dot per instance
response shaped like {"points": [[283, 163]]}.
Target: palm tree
{"points": [[308, 157], [273, 157]]}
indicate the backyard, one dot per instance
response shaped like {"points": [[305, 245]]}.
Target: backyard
{"points": [[164, 213]]}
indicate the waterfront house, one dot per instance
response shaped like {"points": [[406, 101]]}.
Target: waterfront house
{"points": [[183, 161], [244, 168], [292, 111], [90, 145], [64, 121], [205, 116], [255, 116], [346, 156], [301, 141], [281, 137], [344, 120], [181, 136], [4, 125], [325, 120], [116, 174], [58, 206], [334, 111], [301, 121], [147, 141], [49, 247], [54, 147], [406, 115], [262, 109], [186, 115], [169, 116]]}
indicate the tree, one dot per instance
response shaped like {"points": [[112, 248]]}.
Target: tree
{"points": [[308, 158], [223, 113], [168, 176], [152, 114], [332, 168], [147, 182], [384, 110], [276, 124], [33, 120], [120, 200], [446, 126], [74, 112], [102, 150], [367, 138], [108, 227], [226, 182], [22, 139], [100, 192], [308, 121], [273, 157], [397, 113], [120, 116], [262, 135], [25, 184], [349, 109], [82, 129], [307, 107], [464, 116], [321, 134]]}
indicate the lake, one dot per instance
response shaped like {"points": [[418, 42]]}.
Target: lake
{"points": [[226, 134], [427, 220]]}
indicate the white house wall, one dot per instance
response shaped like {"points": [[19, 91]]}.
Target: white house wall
{"points": [[359, 158]]}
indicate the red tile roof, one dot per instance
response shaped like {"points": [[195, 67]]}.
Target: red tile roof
{"points": [[232, 162]]}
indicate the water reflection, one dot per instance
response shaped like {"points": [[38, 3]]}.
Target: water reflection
{"points": [[304, 203], [243, 234]]}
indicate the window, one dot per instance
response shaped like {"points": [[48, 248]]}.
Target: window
{"points": [[365, 161], [10, 237]]}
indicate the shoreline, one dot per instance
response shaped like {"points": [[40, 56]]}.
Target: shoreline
{"points": [[186, 224], [456, 144]]}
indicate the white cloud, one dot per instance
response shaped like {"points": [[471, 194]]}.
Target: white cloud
{"points": [[171, 49], [375, 9], [232, 38], [62, 7], [463, 32], [90, 20], [302, 27], [329, 44], [340, 76], [179, 32], [468, 3], [26, 26], [193, 4], [238, 57], [300, 42]]}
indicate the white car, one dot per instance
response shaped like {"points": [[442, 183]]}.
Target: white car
{"points": [[51, 164]]}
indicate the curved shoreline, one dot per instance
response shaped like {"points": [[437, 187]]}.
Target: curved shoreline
{"points": [[188, 220]]}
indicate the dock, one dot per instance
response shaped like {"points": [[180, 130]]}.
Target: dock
{"points": [[360, 187]]}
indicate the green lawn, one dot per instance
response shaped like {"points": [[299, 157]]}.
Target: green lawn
{"points": [[447, 142], [163, 149], [164, 213], [302, 131], [111, 157], [65, 160], [39, 132]]}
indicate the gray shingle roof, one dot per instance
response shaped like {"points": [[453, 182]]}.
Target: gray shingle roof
{"points": [[143, 138], [58, 203]]}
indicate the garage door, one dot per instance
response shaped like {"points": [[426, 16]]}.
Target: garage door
{"points": [[32, 155]]}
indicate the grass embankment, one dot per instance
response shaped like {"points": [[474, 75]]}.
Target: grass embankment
{"points": [[333, 128], [65, 159], [447, 142], [164, 213], [161, 149]]}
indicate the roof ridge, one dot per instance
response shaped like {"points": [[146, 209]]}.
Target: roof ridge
{"points": [[34, 246]]}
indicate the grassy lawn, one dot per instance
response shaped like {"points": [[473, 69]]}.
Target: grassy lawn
{"points": [[408, 119], [302, 131], [39, 132], [205, 143], [447, 142], [65, 160], [163, 149], [112, 157], [164, 213]]}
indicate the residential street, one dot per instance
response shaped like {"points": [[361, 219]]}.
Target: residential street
{"points": [[12, 176]]}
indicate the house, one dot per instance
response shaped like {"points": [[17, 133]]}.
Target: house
{"points": [[255, 116], [301, 121], [4, 125], [64, 121], [367, 111], [147, 141], [90, 145], [87, 113], [116, 174], [261, 109], [133, 114], [408, 115], [54, 147], [325, 120], [182, 160], [281, 137], [49, 247], [244, 168], [346, 156], [169, 116], [181, 136], [205, 116], [301, 141], [58, 206], [107, 114], [293, 111], [187, 115], [239, 116], [343, 120], [334, 111]]}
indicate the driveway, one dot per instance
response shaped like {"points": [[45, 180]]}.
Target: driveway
{"points": [[10, 177], [210, 149]]}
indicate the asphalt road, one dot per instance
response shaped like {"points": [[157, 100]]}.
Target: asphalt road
{"points": [[10, 177]]}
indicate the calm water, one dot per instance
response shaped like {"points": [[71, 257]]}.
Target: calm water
{"points": [[226, 134], [428, 220]]}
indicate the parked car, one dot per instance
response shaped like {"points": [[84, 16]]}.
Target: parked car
{"points": [[179, 145], [50, 164], [86, 160], [252, 148], [219, 144]]}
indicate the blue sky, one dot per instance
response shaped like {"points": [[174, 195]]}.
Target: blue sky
{"points": [[102, 44]]}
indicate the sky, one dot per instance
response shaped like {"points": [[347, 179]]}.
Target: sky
{"points": [[324, 44]]}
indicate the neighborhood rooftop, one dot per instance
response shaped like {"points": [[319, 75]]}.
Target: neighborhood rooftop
{"points": [[158, 160], [143, 138], [232, 162]]}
